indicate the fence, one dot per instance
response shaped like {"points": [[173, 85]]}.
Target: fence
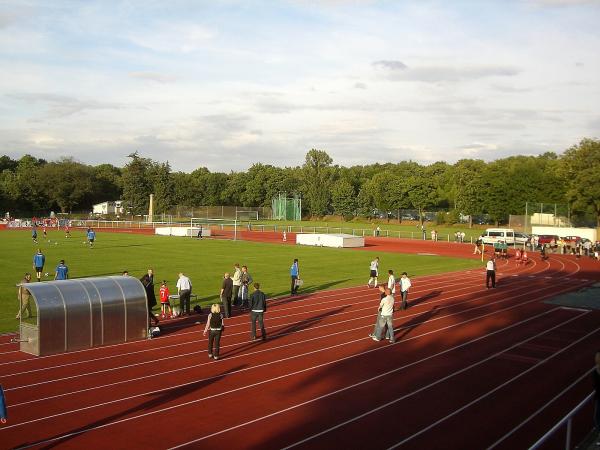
{"points": [[222, 212], [568, 420]]}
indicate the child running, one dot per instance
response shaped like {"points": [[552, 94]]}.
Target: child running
{"points": [[164, 300], [215, 323]]}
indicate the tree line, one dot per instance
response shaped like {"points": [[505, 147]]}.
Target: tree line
{"points": [[470, 186]]}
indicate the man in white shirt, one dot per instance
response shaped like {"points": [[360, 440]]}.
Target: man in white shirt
{"points": [[490, 273], [391, 282], [237, 282], [184, 289], [374, 273], [386, 308], [405, 285]]}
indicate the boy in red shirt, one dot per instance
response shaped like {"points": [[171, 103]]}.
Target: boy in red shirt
{"points": [[164, 299]]}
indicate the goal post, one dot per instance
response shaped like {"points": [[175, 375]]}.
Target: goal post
{"points": [[201, 227], [246, 215]]}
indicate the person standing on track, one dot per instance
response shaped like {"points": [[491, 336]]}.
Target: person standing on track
{"points": [[405, 285], [477, 249], [374, 272], [490, 273], [165, 303], [148, 283], [184, 289], [38, 264], [226, 291], [386, 311], [215, 323], [258, 306], [246, 280], [295, 275], [391, 284], [376, 326], [237, 282]]}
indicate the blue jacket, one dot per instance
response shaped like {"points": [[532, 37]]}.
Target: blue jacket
{"points": [[294, 270], [38, 260], [62, 272]]}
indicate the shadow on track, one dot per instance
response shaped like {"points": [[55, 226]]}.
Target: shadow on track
{"points": [[154, 400], [289, 329]]}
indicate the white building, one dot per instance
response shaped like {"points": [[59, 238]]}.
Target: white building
{"points": [[114, 207]]}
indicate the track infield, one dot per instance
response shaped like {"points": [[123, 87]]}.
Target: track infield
{"points": [[471, 368]]}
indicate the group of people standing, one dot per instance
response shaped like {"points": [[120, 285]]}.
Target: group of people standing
{"points": [[386, 308]]}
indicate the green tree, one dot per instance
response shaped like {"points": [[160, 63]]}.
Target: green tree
{"points": [[581, 169], [67, 183], [422, 193], [106, 183], [468, 187], [137, 184], [343, 199], [317, 178], [163, 187]]}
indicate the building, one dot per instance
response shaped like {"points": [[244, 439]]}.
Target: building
{"points": [[111, 207]]}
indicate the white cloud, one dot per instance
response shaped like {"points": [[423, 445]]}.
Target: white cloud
{"points": [[167, 37], [152, 76], [225, 85]]}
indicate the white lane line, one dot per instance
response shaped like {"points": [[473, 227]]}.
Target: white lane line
{"points": [[302, 342], [342, 300], [361, 383], [370, 301], [496, 389], [585, 375], [153, 362], [289, 374]]}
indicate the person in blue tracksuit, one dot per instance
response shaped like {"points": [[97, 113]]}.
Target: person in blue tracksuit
{"points": [[62, 271], [91, 237], [38, 264], [295, 274]]}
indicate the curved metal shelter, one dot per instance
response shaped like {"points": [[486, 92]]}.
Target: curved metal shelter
{"points": [[84, 313]]}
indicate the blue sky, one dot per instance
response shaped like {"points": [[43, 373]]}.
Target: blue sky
{"points": [[225, 84]]}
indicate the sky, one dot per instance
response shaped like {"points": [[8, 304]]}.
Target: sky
{"points": [[226, 84]]}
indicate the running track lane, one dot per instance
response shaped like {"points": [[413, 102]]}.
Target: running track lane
{"points": [[128, 426]]}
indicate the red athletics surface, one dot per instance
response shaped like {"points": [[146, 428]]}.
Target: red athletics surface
{"points": [[471, 368]]}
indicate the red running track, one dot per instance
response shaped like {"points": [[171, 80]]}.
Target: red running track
{"points": [[471, 368]]}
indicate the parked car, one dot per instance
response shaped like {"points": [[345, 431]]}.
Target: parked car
{"points": [[571, 241], [409, 217], [521, 238], [546, 240]]}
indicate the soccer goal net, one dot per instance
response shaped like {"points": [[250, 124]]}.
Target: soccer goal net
{"points": [[246, 215], [201, 227]]}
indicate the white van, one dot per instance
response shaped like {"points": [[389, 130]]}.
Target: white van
{"points": [[493, 235]]}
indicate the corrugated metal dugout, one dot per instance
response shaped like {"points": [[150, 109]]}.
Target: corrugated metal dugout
{"points": [[84, 313]]}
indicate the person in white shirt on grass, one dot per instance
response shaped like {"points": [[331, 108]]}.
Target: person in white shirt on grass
{"points": [[373, 273], [405, 285]]}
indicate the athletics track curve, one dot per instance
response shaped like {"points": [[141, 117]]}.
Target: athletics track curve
{"points": [[471, 368]]}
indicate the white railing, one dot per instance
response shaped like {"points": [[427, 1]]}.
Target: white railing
{"points": [[568, 419]]}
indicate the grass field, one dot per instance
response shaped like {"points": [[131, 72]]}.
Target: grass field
{"points": [[203, 261]]}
